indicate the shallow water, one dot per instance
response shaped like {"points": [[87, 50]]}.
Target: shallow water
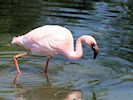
{"points": [[109, 77]]}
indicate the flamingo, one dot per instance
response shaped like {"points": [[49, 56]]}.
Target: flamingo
{"points": [[49, 40]]}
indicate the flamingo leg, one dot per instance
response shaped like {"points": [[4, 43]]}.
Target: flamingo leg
{"points": [[46, 66], [16, 62], [16, 78]]}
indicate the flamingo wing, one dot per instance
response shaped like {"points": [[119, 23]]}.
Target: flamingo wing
{"points": [[49, 40]]}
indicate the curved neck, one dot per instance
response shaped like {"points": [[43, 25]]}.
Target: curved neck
{"points": [[78, 51], [89, 40]]}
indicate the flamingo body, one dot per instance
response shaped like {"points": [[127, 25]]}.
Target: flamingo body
{"points": [[49, 40]]}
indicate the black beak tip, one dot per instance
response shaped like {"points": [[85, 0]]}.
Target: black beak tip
{"points": [[95, 55], [95, 49]]}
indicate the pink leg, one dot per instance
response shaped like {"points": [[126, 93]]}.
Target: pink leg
{"points": [[46, 66], [16, 62]]}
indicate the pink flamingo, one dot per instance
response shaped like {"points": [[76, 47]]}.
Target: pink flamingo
{"points": [[49, 40]]}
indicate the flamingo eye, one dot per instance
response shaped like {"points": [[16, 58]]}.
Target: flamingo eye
{"points": [[92, 45]]}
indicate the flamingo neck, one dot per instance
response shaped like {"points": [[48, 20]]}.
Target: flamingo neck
{"points": [[74, 55]]}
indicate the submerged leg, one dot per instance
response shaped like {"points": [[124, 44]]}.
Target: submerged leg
{"points": [[46, 66], [16, 78], [16, 62]]}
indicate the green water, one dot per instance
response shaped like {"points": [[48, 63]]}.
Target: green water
{"points": [[109, 77]]}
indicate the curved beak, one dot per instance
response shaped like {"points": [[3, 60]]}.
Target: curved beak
{"points": [[95, 49]]}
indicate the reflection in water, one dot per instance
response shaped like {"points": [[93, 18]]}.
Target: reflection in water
{"points": [[49, 93], [74, 95], [18, 75], [94, 96], [46, 93]]}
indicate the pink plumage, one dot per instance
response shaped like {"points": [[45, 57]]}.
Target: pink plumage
{"points": [[49, 40]]}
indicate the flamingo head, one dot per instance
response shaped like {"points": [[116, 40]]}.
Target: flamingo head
{"points": [[92, 43]]}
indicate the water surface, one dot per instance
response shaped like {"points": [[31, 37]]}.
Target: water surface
{"points": [[109, 77]]}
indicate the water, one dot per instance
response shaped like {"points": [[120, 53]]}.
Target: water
{"points": [[109, 77]]}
